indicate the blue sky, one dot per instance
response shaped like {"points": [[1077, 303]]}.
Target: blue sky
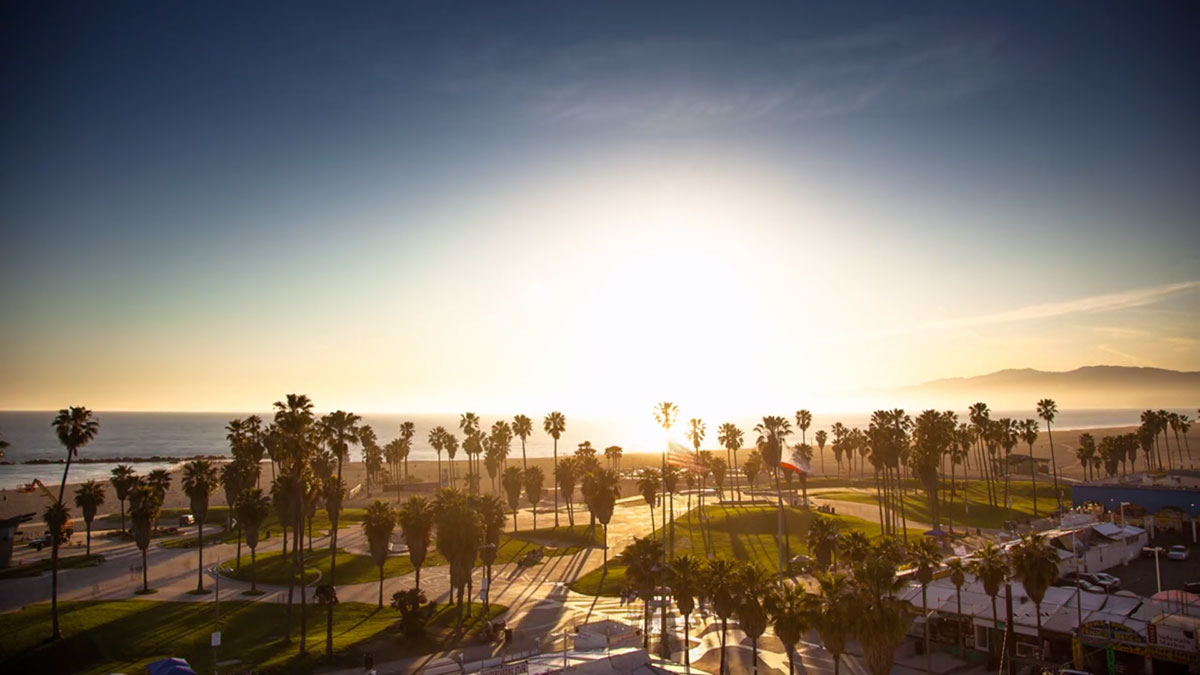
{"points": [[426, 206]]}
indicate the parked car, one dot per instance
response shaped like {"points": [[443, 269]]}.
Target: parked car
{"points": [[800, 564], [1084, 585], [1108, 581], [187, 519], [1178, 552]]}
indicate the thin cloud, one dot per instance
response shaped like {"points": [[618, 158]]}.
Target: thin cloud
{"points": [[1094, 304], [1122, 355]]}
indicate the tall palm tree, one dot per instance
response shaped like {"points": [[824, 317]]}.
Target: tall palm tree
{"points": [[200, 480], [468, 423], [990, 566], [1047, 409], [253, 508], [534, 479], [601, 489], [294, 420], [731, 438], [666, 413], [436, 437], [647, 486], [492, 517], [643, 572], [512, 483], [89, 497], [555, 424], [416, 519], [854, 546], [822, 538], [754, 586], [408, 431], [822, 437], [791, 609], [832, 615], [1085, 452], [613, 454], [1029, 434], [144, 505], [1185, 426], [958, 577], [721, 589], [75, 427], [378, 525], [1035, 563], [685, 576], [565, 476], [881, 618], [459, 536], [522, 427], [160, 480], [124, 478], [772, 432], [340, 429], [925, 557], [803, 422]]}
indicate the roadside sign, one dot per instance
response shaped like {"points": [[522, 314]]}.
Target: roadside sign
{"points": [[216, 638]]}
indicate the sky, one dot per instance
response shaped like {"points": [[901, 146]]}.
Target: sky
{"points": [[588, 206]]}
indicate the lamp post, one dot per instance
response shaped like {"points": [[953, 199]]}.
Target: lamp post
{"points": [[1123, 505]]}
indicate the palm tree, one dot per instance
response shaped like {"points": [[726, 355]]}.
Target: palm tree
{"points": [[772, 434], [235, 477], [613, 454], [1029, 434], [436, 438], [647, 486], [822, 437], [958, 577], [522, 427], [1035, 563], [731, 439], [803, 422], [512, 483], [459, 535], [832, 615], [160, 480], [341, 430], [752, 467], [144, 505], [124, 478], [491, 513], [89, 497], [1047, 409], [854, 545], [407, 431], [199, 482], [1185, 426], [721, 589], [754, 586], [555, 424], [822, 538], [534, 478], [565, 475], [643, 570], [720, 471], [378, 525], [791, 608], [75, 427], [991, 567], [665, 413], [882, 619], [685, 574], [926, 558], [294, 421], [601, 489], [416, 522], [252, 508]]}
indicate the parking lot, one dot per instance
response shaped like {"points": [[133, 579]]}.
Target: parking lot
{"points": [[1138, 575]]}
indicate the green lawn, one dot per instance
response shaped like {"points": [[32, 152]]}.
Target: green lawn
{"points": [[34, 569], [736, 532], [979, 514], [355, 568], [126, 635]]}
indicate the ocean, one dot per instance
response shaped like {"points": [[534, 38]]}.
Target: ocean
{"points": [[178, 435]]}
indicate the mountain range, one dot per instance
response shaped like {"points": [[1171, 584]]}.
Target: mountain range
{"points": [[1086, 387]]}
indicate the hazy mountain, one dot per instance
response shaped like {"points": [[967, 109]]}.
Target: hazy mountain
{"points": [[1087, 387]]}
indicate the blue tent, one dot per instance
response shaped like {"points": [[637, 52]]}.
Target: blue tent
{"points": [[170, 667]]}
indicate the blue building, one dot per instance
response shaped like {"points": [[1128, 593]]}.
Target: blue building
{"points": [[1159, 502]]}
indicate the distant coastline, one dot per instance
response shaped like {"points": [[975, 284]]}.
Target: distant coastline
{"points": [[120, 460]]}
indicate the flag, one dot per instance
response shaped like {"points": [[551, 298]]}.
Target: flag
{"points": [[682, 457], [793, 466], [798, 462]]}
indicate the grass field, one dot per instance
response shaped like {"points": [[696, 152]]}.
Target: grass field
{"points": [[216, 518], [126, 635], [745, 533], [357, 568], [34, 569], [971, 507]]}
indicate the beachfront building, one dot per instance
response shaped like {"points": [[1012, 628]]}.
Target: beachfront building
{"points": [[1159, 502]]}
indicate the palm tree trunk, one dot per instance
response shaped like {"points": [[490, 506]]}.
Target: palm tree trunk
{"points": [[56, 632], [291, 583], [724, 633], [253, 571], [791, 659], [782, 542], [995, 629], [1054, 465], [122, 515], [145, 582], [555, 471], [737, 481], [1033, 477], [333, 537], [958, 633], [687, 654], [754, 651], [303, 577], [381, 586], [925, 616], [239, 547], [200, 557], [952, 490], [903, 518], [879, 499], [88, 551]]}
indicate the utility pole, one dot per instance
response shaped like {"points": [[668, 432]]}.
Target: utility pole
{"points": [[1010, 648]]}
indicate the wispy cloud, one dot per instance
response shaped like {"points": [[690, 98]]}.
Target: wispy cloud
{"points": [[1125, 356], [657, 82], [1093, 304]]}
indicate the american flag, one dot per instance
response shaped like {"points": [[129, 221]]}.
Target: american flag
{"points": [[683, 457]]}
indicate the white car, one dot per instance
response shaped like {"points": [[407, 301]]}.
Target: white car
{"points": [[1108, 581], [1178, 552]]}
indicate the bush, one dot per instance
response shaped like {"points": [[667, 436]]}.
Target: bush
{"points": [[415, 611]]}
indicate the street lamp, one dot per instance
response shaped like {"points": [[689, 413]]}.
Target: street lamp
{"points": [[1123, 505]]}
